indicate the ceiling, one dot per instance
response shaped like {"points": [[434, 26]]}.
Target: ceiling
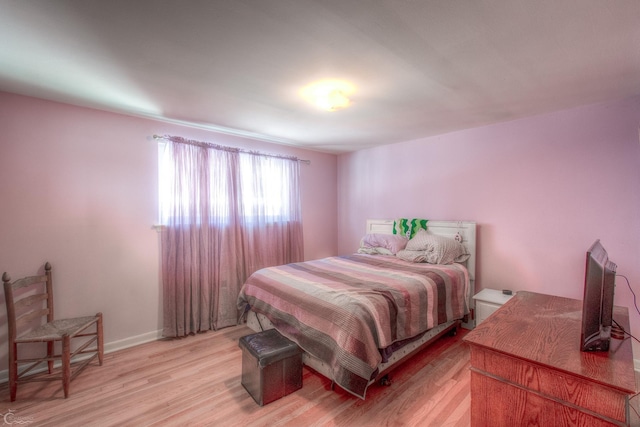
{"points": [[419, 68]]}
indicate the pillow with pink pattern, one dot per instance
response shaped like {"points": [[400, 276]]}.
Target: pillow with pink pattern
{"points": [[386, 244]]}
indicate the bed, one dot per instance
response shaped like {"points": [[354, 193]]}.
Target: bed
{"points": [[358, 316]]}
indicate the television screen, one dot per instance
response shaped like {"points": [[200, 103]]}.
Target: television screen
{"points": [[597, 305]]}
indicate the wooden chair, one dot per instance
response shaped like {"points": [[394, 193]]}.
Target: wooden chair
{"points": [[29, 299]]}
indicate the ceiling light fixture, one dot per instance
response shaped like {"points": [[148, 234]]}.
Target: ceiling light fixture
{"points": [[329, 95]]}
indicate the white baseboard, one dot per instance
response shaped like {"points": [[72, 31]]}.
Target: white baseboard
{"points": [[133, 341], [108, 348]]}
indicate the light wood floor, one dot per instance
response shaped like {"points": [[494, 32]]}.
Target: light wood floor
{"points": [[196, 381]]}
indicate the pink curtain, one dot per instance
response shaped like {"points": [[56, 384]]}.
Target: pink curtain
{"points": [[225, 214]]}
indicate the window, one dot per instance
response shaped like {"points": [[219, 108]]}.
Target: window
{"points": [[226, 213], [256, 187]]}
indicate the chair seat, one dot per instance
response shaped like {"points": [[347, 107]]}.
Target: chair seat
{"points": [[57, 329]]}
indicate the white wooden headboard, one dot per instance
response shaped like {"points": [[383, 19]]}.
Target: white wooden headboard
{"points": [[463, 231]]}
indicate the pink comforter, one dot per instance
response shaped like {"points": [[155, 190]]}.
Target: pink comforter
{"points": [[344, 310]]}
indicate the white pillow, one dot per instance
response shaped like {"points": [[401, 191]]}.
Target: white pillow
{"points": [[438, 249]]}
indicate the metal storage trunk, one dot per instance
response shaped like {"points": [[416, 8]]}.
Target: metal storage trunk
{"points": [[271, 366]]}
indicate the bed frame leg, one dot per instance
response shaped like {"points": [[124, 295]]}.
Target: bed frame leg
{"points": [[454, 331], [385, 380]]}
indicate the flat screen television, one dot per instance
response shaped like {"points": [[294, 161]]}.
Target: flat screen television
{"points": [[597, 305]]}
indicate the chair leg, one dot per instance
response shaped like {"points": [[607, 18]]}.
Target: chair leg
{"points": [[100, 338], [13, 370], [50, 354], [66, 364]]}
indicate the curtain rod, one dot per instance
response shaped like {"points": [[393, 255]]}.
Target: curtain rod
{"points": [[209, 144]]}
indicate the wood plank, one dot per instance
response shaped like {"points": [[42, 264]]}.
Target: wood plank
{"points": [[196, 381]]}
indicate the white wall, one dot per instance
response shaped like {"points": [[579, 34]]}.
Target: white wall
{"points": [[541, 190], [78, 188]]}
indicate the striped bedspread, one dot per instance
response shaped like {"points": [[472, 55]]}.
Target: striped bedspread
{"points": [[343, 310]]}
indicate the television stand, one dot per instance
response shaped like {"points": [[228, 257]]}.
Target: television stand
{"points": [[527, 367]]}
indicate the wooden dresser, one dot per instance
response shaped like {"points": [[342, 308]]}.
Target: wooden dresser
{"points": [[527, 368]]}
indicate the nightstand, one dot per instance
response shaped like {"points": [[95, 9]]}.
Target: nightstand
{"points": [[487, 301]]}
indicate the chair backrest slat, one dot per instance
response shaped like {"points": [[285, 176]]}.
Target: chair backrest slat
{"points": [[29, 301], [26, 318], [28, 281], [24, 309]]}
